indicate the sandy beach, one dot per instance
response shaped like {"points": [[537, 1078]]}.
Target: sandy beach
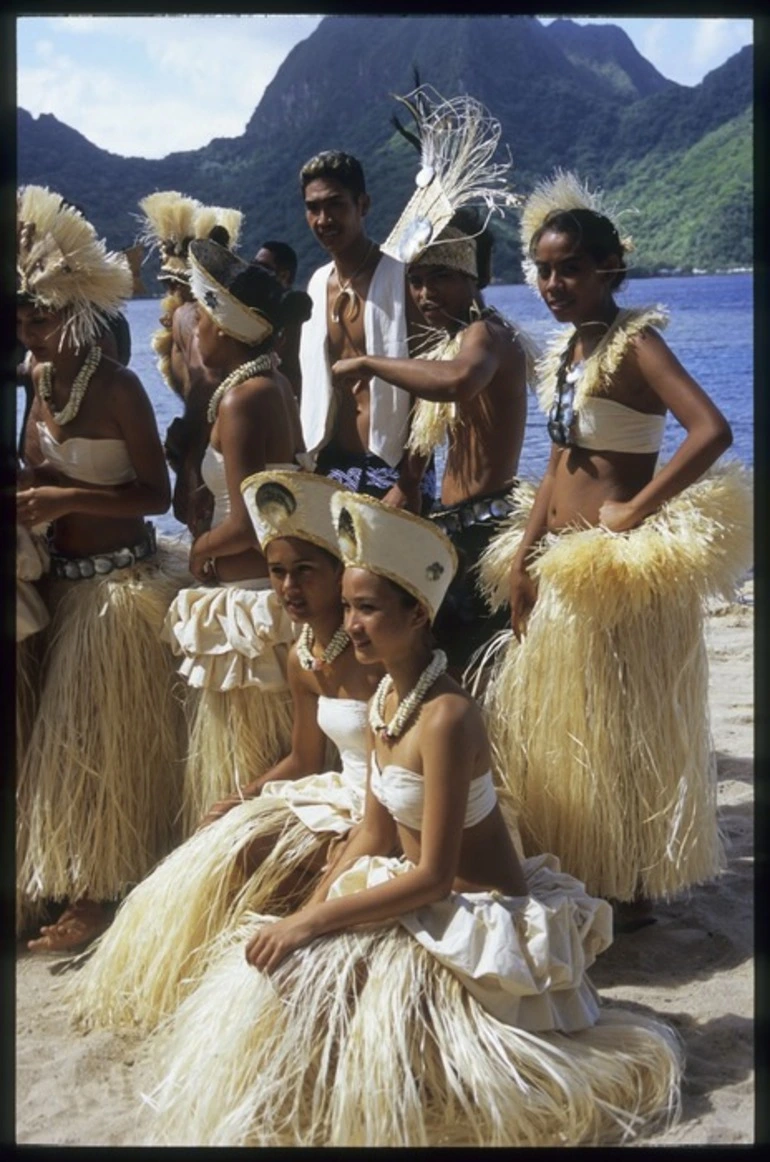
{"points": [[694, 967]]}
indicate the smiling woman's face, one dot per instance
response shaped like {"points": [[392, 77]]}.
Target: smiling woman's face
{"points": [[569, 280]]}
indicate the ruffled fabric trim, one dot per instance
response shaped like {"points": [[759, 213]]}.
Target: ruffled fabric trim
{"points": [[524, 959], [332, 801], [229, 637]]}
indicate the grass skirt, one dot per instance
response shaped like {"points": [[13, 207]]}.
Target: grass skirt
{"points": [[100, 781], [363, 1038], [599, 720], [233, 641], [153, 953]]}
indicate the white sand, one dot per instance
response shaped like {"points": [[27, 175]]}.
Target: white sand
{"points": [[694, 966]]}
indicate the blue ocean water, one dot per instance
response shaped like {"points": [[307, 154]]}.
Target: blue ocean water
{"points": [[711, 333]]}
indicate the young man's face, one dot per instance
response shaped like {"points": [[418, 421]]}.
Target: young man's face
{"points": [[333, 214], [442, 295], [266, 258]]}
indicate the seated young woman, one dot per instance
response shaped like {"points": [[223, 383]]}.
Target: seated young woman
{"points": [[265, 845], [434, 997]]}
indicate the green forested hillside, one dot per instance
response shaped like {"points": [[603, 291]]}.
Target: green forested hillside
{"points": [[566, 95]]}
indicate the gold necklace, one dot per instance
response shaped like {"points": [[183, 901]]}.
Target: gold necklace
{"points": [[346, 290]]}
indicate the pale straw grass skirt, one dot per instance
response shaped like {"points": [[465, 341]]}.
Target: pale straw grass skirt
{"points": [[233, 641], [152, 954], [99, 785], [599, 720], [363, 1038]]}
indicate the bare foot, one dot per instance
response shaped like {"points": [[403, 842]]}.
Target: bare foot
{"points": [[77, 926]]}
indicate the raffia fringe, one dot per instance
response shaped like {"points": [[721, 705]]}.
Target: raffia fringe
{"points": [[362, 1039], [235, 736], [600, 368], [599, 720], [157, 946], [101, 778]]}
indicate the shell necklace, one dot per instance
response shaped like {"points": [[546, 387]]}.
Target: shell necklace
{"points": [[409, 705], [79, 386], [336, 646], [346, 290], [254, 367]]}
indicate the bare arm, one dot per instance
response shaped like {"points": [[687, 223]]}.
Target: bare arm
{"points": [[523, 591], [708, 433], [308, 743], [149, 493], [441, 380], [448, 756]]}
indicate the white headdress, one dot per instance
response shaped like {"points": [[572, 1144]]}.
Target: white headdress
{"points": [[291, 503], [563, 191], [457, 139], [61, 265], [171, 222], [396, 544]]}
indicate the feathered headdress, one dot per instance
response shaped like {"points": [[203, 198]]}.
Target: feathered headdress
{"points": [[564, 191], [61, 265], [457, 140], [172, 220]]}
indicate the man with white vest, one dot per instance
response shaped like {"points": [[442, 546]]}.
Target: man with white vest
{"points": [[356, 431]]}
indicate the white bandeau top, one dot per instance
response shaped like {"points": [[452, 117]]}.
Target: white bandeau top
{"points": [[92, 461], [344, 721], [402, 793], [603, 425], [215, 478]]}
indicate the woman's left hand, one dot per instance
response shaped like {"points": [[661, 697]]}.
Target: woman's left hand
{"points": [[200, 565], [35, 506], [617, 516], [273, 943]]}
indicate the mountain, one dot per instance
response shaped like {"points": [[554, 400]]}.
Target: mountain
{"points": [[566, 95]]}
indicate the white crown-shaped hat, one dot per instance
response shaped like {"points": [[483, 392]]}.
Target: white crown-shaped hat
{"points": [[404, 548], [289, 502]]}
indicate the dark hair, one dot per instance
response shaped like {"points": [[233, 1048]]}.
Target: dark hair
{"points": [[337, 166], [285, 257], [470, 221], [594, 233]]}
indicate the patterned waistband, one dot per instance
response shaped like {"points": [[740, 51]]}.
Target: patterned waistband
{"points": [[476, 511], [99, 564]]}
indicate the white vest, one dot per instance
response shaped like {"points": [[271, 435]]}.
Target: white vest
{"points": [[384, 334]]}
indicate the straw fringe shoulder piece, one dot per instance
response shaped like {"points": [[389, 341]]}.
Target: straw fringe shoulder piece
{"points": [[233, 642], [364, 1038], [600, 367], [265, 854], [432, 423], [599, 719], [100, 782]]}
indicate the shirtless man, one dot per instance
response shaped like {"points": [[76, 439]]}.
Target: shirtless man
{"points": [[356, 431], [479, 368]]}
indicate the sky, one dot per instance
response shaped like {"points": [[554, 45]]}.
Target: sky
{"points": [[147, 86]]}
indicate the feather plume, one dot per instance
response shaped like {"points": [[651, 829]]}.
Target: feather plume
{"points": [[63, 266]]}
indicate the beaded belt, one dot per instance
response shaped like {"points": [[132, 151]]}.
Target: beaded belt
{"points": [[461, 516], [99, 564]]}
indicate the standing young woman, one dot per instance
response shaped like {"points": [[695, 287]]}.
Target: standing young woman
{"points": [[98, 782], [600, 713], [266, 851], [230, 630], [435, 997]]}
